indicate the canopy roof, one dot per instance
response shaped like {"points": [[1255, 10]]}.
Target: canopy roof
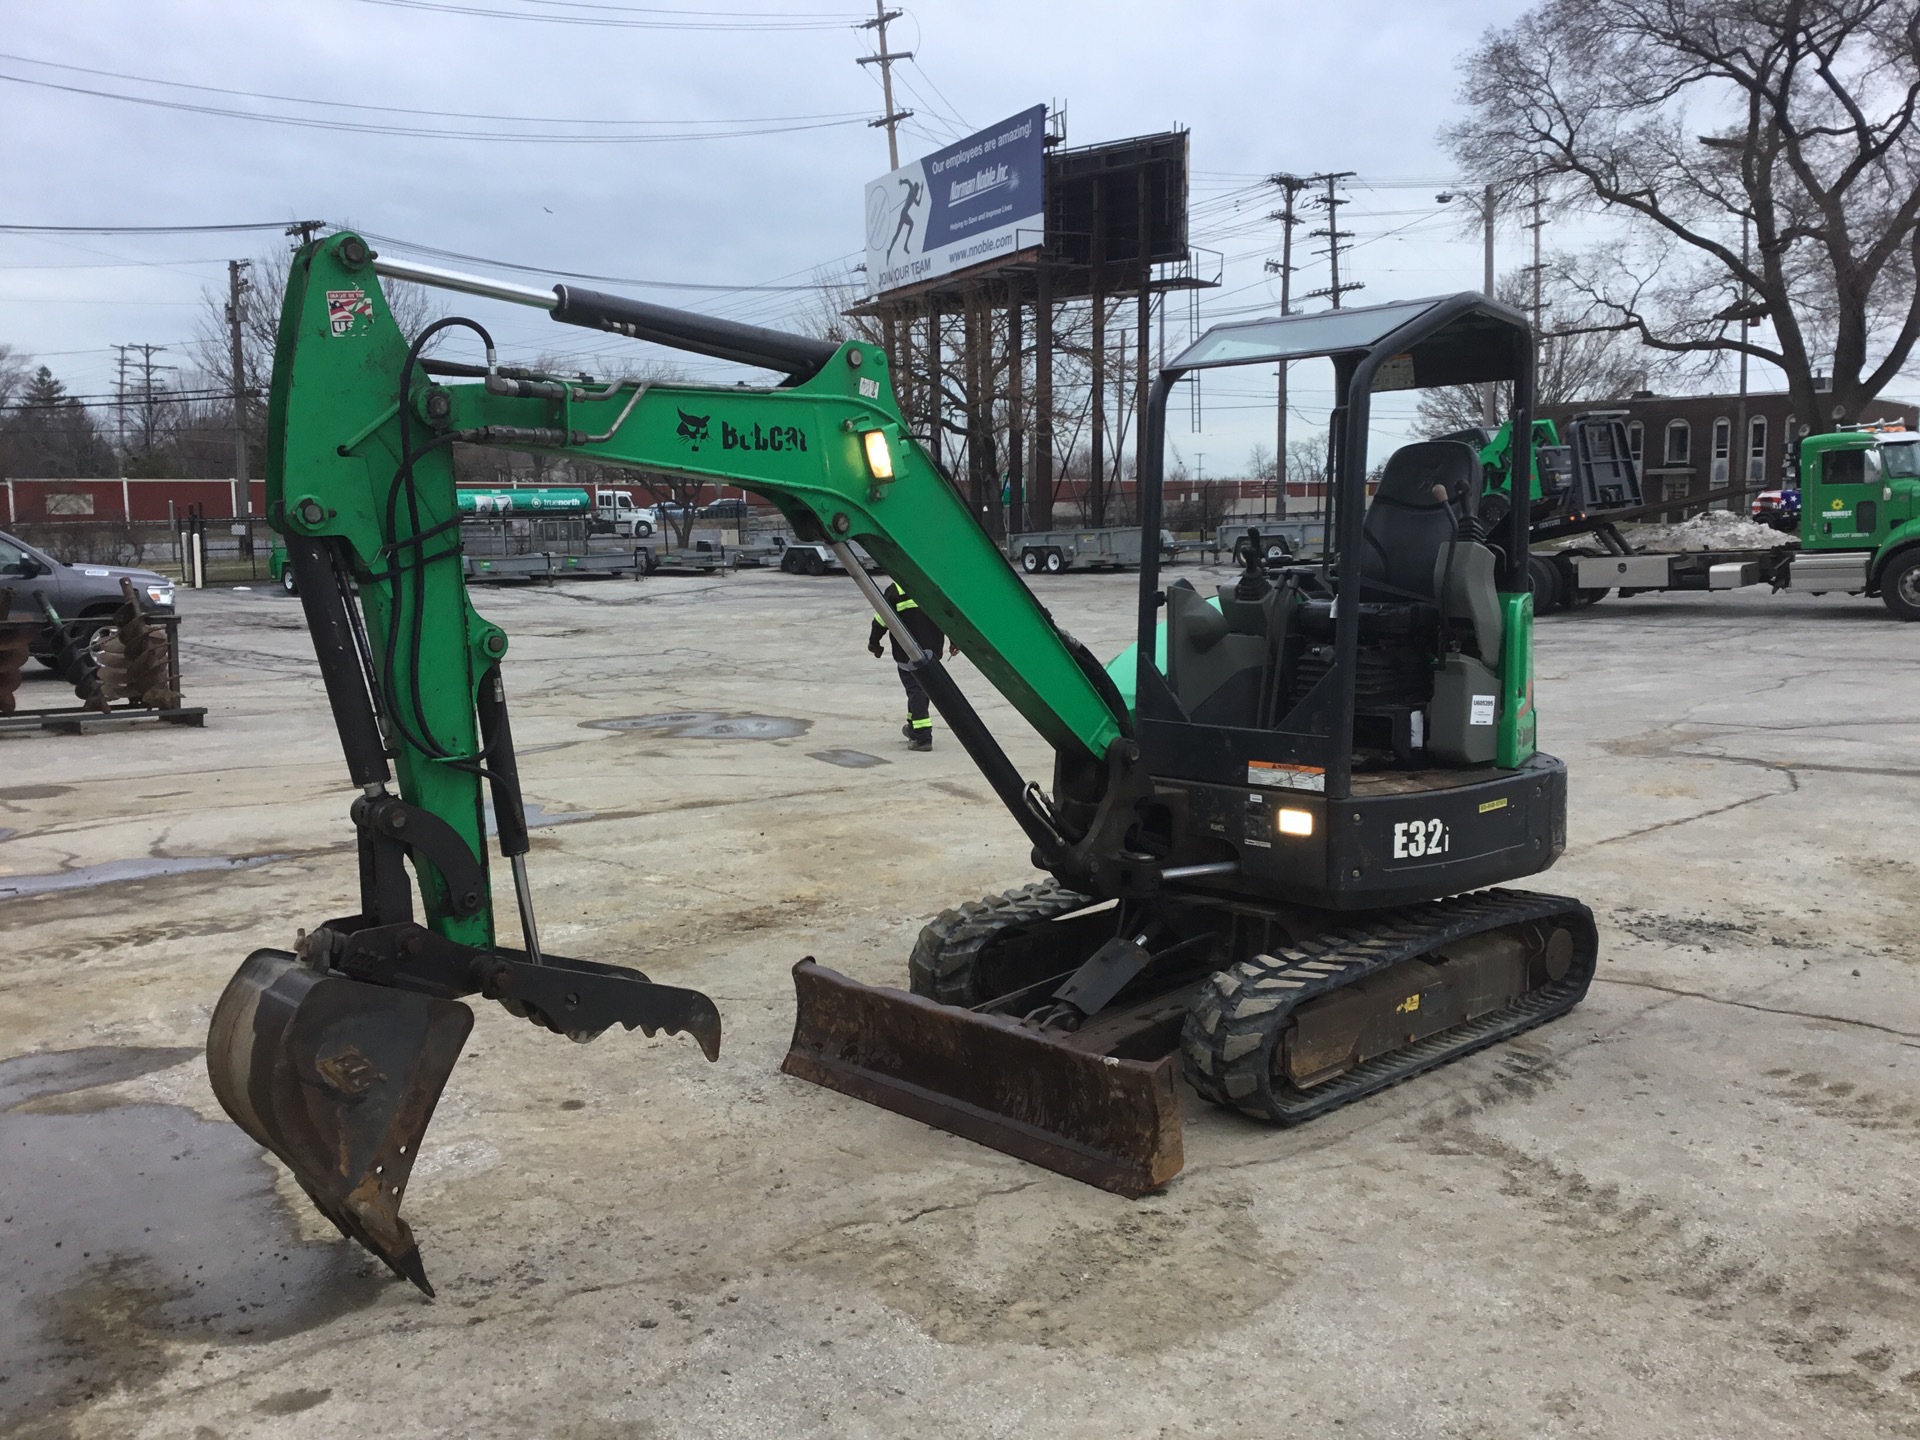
{"points": [[1449, 339]]}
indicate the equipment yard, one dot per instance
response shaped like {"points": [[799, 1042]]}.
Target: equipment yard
{"points": [[1684, 1208]]}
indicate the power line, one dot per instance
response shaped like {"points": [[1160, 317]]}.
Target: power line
{"points": [[406, 110], [624, 17], [276, 225], [307, 122], [440, 254]]}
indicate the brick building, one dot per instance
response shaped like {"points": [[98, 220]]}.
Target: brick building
{"points": [[1686, 445]]}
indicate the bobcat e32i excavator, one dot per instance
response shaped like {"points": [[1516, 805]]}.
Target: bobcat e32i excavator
{"points": [[1269, 835]]}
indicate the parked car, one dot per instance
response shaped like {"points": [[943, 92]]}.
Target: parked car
{"points": [[1778, 508], [665, 513], [76, 592], [731, 508]]}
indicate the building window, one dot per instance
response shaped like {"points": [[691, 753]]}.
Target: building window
{"points": [[1722, 454], [1757, 450], [1636, 440], [69, 503], [1679, 443]]}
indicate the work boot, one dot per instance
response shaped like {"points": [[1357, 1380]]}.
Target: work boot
{"points": [[921, 739]]}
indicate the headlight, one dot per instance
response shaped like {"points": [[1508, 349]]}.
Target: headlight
{"points": [[879, 458], [160, 594]]}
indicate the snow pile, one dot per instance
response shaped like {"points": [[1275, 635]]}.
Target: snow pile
{"points": [[1709, 530]]}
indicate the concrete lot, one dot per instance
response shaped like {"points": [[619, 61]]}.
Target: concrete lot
{"points": [[1687, 1209]]}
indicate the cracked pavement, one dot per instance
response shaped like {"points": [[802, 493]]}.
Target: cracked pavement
{"points": [[1685, 1209]]}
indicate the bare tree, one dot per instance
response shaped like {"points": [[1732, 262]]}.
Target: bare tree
{"points": [[1574, 363], [414, 308], [1809, 107]]}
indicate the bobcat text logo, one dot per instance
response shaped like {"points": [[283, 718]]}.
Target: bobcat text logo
{"points": [[693, 429], [770, 437]]}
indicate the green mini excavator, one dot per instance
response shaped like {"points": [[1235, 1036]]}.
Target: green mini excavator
{"points": [[1270, 836]]}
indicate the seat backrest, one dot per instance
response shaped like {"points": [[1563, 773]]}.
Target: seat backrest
{"points": [[1213, 671], [1406, 527], [1465, 572]]}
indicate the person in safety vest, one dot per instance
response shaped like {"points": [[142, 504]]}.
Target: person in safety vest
{"points": [[925, 629]]}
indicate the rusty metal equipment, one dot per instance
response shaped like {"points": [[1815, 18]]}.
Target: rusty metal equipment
{"points": [[16, 643], [123, 671], [135, 661]]}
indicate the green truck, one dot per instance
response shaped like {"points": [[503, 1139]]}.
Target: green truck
{"points": [[1859, 527]]}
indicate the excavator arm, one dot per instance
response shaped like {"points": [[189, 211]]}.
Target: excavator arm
{"points": [[334, 1055]]}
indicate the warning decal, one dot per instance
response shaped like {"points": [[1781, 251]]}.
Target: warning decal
{"points": [[1281, 776]]}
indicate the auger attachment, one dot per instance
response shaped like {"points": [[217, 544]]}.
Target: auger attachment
{"points": [[16, 645], [134, 659]]}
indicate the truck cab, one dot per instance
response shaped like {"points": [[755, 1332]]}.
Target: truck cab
{"points": [[1860, 515], [615, 513]]}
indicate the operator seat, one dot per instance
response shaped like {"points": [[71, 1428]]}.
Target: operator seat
{"points": [[1409, 549]]}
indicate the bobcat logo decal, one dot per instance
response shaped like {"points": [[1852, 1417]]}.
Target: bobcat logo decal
{"points": [[693, 429]]}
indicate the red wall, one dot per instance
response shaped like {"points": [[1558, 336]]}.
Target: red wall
{"points": [[28, 500]]}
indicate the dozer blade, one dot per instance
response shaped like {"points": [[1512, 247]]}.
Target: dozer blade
{"points": [[1110, 1122], [339, 1079]]}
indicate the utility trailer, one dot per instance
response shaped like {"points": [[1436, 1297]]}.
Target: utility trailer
{"points": [[1276, 541], [1090, 547], [807, 557]]}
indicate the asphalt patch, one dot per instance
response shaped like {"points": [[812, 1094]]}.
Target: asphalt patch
{"points": [[119, 872], [851, 759], [128, 1228], [707, 725]]}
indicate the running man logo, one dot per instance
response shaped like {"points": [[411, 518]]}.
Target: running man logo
{"points": [[693, 429], [348, 312]]}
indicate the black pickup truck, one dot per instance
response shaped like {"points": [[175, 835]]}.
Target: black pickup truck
{"points": [[76, 592]]}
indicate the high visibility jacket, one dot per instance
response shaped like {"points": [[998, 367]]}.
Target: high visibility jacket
{"points": [[920, 625]]}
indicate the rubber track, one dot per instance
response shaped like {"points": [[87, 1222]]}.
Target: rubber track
{"points": [[1227, 1042], [946, 958]]}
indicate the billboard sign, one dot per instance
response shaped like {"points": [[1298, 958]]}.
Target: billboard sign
{"points": [[977, 200]]}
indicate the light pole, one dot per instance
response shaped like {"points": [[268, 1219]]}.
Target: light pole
{"points": [[1485, 206], [1743, 312]]}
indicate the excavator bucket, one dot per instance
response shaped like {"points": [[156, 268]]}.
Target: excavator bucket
{"points": [[338, 1079], [1109, 1121]]}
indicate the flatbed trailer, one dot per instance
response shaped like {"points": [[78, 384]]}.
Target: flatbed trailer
{"points": [[1859, 535], [1086, 547]]}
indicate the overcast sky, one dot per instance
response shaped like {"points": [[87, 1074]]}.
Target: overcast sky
{"points": [[1363, 86]]}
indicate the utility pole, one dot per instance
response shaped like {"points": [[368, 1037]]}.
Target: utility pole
{"points": [[1290, 187], [242, 490], [1536, 226], [891, 120], [120, 401], [150, 397], [1333, 235]]}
